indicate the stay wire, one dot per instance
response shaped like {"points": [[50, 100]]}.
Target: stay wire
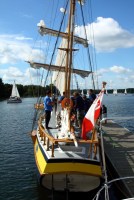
{"points": [[36, 111], [89, 58], [95, 60], [55, 44]]}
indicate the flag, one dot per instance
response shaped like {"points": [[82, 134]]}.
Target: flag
{"points": [[92, 115]]}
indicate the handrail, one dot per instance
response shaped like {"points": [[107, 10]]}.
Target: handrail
{"points": [[54, 140], [106, 185], [44, 135]]}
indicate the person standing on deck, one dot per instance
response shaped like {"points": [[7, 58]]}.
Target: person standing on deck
{"points": [[79, 108], [61, 97], [87, 103], [103, 113], [48, 104], [54, 100], [92, 95], [58, 112]]}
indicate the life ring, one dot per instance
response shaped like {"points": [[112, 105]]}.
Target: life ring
{"points": [[39, 106], [66, 102]]}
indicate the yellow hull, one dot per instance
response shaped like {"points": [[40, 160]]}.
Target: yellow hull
{"points": [[62, 170]]}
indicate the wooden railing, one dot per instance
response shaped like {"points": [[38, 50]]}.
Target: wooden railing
{"points": [[47, 139]]}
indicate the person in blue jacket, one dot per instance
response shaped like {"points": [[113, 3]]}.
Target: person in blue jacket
{"points": [[48, 105]]}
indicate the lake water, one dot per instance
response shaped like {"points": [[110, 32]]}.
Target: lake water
{"points": [[18, 179]]}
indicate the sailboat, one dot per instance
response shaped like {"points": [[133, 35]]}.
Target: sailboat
{"points": [[125, 92], [82, 92], [15, 97], [64, 159], [115, 92], [106, 92]]}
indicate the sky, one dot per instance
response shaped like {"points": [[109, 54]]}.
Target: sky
{"points": [[113, 27]]}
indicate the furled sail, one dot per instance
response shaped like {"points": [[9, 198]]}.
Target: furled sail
{"points": [[59, 68], [43, 30], [82, 73], [58, 75]]}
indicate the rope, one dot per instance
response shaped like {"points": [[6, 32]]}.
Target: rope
{"points": [[108, 183], [55, 44], [89, 58], [39, 100]]}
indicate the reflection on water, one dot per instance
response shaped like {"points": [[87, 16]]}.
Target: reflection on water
{"points": [[18, 178]]}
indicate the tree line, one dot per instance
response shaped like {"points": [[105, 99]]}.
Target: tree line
{"points": [[37, 91], [24, 90]]}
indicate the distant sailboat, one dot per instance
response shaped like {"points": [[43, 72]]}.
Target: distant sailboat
{"points": [[106, 92], [115, 92], [125, 92], [15, 97], [82, 92]]}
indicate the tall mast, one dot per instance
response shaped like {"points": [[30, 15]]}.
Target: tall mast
{"points": [[70, 47], [67, 46]]}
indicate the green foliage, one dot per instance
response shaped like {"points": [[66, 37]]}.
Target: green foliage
{"points": [[37, 91], [25, 91], [2, 89]]}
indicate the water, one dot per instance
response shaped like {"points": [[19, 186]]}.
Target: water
{"points": [[18, 179], [121, 106]]}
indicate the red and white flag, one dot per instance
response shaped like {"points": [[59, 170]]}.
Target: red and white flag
{"points": [[92, 115]]}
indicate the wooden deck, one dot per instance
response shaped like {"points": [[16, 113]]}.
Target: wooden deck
{"points": [[119, 149]]}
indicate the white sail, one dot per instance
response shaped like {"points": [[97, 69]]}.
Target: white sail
{"points": [[15, 97], [125, 92], [106, 92], [115, 92], [58, 78], [15, 92]]}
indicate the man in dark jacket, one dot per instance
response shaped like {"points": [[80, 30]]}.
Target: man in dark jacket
{"points": [[92, 95], [79, 108]]}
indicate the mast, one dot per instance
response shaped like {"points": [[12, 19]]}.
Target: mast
{"points": [[69, 48]]}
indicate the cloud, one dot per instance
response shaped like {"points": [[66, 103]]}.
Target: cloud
{"points": [[14, 51], [27, 16], [119, 69], [16, 48], [116, 70], [22, 38], [11, 38], [108, 35], [30, 72], [27, 77], [116, 76], [10, 74]]}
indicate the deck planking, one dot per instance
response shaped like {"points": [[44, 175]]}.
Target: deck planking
{"points": [[119, 149]]}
